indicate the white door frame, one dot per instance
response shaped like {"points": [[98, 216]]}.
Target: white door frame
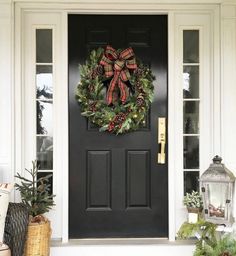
{"points": [[174, 12]]}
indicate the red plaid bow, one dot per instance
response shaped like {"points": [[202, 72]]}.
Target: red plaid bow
{"points": [[118, 65]]}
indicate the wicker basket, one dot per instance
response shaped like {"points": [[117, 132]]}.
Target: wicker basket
{"points": [[16, 228], [38, 239]]}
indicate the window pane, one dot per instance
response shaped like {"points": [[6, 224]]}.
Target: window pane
{"points": [[50, 180], [191, 82], [45, 152], [44, 117], [44, 45], [191, 152], [191, 181], [44, 82], [191, 117], [191, 46]]}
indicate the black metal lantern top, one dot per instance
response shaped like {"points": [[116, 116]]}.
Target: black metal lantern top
{"points": [[217, 172]]}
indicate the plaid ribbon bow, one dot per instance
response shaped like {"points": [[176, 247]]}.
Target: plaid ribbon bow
{"points": [[117, 65]]}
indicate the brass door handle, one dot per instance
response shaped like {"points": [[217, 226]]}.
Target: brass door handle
{"points": [[161, 158]]}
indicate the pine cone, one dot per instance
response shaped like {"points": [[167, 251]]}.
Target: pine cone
{"points": [[140, 100], [225, 254], [92, 107], [139, 87], [98, 71], [120, 118], [38, 219], [91, 88], [139, 72]]}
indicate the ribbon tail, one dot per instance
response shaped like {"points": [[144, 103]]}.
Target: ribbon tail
{"points": [[123, 91], [125, 75], [111, 88]]}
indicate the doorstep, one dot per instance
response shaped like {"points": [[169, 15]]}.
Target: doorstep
{"points": [[122, 247]]}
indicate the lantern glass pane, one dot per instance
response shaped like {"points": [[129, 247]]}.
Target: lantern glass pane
{"points": [[217, 199]]}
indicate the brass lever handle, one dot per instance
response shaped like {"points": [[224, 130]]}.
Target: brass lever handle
{"points": [[161, 139]]}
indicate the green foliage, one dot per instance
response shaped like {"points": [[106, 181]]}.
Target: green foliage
{"points": [[210, 242], [204, 228], [91, 94], [226, 246], [193, 200], [35, 192]]}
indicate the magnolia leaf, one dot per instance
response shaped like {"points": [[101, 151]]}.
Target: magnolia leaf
{"points": [[103, 128], [87, 113]]}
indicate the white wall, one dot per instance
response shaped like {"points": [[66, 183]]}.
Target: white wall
{"points": [[228, 85], [6, 115]]}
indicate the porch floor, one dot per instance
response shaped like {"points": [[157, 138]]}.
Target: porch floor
{"points": [[122, 247]]}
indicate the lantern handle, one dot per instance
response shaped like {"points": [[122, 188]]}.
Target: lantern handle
{"points": [[217, 159]]}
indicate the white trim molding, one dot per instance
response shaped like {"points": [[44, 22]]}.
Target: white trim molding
{"points": [[130, 2], [228, 80], [6, 91]]}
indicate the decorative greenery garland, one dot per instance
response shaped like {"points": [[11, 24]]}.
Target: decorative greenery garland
{"points": [[115, 92]]}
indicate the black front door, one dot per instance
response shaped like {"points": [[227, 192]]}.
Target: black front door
{"points": [[117, 188]]}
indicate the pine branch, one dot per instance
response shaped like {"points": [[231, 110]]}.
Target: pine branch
{"points": [[35, 192]]}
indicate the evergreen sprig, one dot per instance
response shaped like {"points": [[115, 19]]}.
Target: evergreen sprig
{"points": [[35, 192]]}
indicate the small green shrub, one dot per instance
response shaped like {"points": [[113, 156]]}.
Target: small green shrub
{"points": [[193, 200]]}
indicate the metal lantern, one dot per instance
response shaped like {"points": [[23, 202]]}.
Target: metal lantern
{"points": [[217, 187]]}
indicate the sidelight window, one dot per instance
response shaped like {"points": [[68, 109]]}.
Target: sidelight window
{"points": [[191, 102], [44, 101]]}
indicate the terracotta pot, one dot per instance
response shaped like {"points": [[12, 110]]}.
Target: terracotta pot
{"points": [[194, 210]]}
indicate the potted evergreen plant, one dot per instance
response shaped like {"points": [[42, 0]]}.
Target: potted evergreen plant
{"points": [[193, 202], [35, 193]]}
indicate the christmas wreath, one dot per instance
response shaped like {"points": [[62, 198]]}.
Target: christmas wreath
{"points": [[115, 90]]}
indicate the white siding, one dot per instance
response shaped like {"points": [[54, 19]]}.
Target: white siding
{"points": [[228, 85]]}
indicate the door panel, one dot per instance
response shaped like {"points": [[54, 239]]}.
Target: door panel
{"points": [[98, 183], [117, 189], [138, 179]]}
